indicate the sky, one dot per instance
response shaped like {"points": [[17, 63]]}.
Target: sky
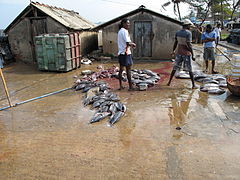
{"points": [[92, 10]]}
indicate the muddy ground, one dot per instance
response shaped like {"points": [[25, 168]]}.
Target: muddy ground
{"points": [[50, 139]]}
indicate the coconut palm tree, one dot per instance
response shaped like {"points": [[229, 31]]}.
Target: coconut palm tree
{"points": [[192, 3], [175, 6]]}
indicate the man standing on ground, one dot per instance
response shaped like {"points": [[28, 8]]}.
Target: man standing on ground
{"points": [[218, 32], [184, 52], [124, 52], [209, 38]]}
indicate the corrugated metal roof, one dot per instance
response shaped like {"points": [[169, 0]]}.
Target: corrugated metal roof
{"points": [[68, 18]]}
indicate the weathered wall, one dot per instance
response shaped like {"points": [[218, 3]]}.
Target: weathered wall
{"points": [[20, 41], [109, 39], [163, 35], [89, 41], [55, 27]]}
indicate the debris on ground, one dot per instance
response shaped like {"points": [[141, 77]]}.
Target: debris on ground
{"points": [[86, 72], [86, 61]]}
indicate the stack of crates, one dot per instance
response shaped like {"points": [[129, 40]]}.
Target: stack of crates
{"points": [[58, 52]]}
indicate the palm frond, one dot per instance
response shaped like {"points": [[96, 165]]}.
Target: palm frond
{"points": [[166, 4]]}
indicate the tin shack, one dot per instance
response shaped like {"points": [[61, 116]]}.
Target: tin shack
{"points": [[152, 32], [38, 19]]}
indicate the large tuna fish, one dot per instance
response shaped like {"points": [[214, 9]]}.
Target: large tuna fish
{"points": [[115, 117], [99, 116]]}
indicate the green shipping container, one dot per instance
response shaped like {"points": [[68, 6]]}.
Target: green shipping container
{"points": [[54, 53]]}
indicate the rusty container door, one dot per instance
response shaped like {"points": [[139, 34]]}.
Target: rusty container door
{"points": [[75, 50], [78, 50]]}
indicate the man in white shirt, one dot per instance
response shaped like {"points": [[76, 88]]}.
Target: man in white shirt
{"points": [[218, 30], [124, 52]]}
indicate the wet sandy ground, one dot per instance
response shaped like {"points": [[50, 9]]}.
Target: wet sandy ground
{"points": [[51, 138]]}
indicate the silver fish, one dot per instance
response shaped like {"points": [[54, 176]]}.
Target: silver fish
{"points": [[98, 103], [99, 116], [80, 87], [115, 117], [216, 91], [112, 108]]}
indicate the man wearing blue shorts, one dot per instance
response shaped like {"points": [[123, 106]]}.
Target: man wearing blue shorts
{"points": [[182, 48], [209, 38], [124, 52]]}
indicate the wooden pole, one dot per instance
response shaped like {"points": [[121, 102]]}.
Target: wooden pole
{"points": [[5, 88], [223, 54]]}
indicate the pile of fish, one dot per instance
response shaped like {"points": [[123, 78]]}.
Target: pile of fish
{"points": [[100, 98], [98, 93], [212, 83], [143, 79]]}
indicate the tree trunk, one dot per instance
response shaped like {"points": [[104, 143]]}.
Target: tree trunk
{"points": [[179, 12], [222, 15], [208, 7], [234, 9]]}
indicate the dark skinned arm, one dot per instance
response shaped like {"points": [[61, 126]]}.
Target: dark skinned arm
{"points": [[131, 44], [189, 45], [174, 47], [208, 40]]}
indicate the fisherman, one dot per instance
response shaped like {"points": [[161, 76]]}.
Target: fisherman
{"points": [[199, 34], [209, 38], [182, 48], [218, 30], [124, 52]]}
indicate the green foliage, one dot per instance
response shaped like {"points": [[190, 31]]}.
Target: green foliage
{"points": [[223, 7], [224, 35]]}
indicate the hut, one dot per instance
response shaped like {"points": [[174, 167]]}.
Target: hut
{"points": [[37, 19], [153, 33]]}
